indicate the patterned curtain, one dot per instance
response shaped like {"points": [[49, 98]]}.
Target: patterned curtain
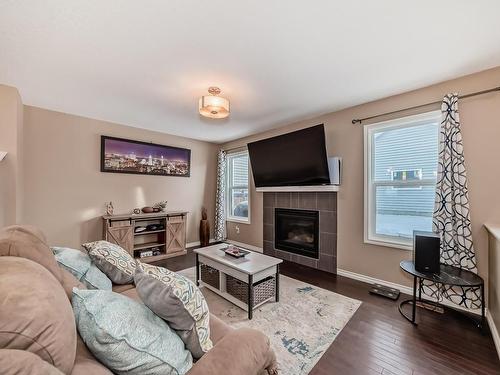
{"points": [[220, 199], [451, 217]]}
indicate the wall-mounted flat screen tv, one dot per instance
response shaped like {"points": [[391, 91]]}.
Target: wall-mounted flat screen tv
{"points": [[293, 159], [120, 155]]}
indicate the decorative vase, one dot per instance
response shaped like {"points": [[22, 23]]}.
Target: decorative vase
{"points": [[204, 228]]}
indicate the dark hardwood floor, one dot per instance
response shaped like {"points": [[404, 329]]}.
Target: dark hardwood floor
{"points": [[377, 340]]}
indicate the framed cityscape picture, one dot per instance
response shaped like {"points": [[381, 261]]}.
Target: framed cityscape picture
{"points": [[126, 156]]}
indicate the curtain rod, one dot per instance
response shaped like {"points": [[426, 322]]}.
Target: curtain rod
{"points": [[239, 148], [360, 120]]}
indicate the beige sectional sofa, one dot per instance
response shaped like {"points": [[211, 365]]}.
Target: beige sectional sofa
{"points": [[37, 328]]}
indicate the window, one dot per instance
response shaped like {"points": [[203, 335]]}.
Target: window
{"points": [[237, 198], [401, 158]]}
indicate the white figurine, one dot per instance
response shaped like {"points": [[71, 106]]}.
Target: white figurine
{"points": [[109, 208]]}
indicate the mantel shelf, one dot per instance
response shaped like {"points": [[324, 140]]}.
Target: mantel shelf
{"points": [[317, 188]]}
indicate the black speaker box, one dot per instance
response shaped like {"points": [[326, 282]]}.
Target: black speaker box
{"points": [[426, 251]]}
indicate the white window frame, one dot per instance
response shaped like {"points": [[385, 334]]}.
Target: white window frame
{"points": [[229, 217], [370, 237]]}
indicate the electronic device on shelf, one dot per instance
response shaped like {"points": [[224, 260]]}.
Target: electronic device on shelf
{"points": [[145, 253], [152, 227], [426, 251]]}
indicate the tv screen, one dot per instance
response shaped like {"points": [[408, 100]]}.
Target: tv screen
{"points": [[294, 159]]}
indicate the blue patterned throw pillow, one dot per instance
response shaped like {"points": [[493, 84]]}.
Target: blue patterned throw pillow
{"points": [[113, 260], [126, 336], [79, 265]]}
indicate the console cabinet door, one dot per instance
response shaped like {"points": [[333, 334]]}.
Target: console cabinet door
{"points": [[122, 236], [176, 234]]}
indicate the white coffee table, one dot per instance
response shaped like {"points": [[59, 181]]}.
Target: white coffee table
{"points": [[251, 269]]}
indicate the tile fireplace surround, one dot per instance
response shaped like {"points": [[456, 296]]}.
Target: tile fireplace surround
{"points": [[326, 204]]}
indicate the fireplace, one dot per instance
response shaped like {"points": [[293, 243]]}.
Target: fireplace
{"points": [[297, 231], [323, 205]]}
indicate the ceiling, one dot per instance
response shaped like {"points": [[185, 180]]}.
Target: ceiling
{"points": [[146, 63]]}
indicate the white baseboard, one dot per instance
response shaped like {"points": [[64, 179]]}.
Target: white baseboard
{"points": [[372, 280], [494, 332], [197, 243], [402, 288], [246, 246]]}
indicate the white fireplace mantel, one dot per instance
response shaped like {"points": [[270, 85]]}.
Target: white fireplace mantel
{"points": [[317, 188]]}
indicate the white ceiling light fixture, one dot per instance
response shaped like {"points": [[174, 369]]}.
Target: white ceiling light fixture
{"points": [[213, 105], [3, 154]]}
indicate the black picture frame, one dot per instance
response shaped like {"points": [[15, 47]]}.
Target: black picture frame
{"points": [[183, 165]]}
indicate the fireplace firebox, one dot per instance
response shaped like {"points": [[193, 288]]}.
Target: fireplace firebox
{"points": [[297, 231]]}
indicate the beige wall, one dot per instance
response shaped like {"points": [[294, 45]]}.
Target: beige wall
{"points": [[65, 191], [481, 132], [494, 279], [11, 126]]}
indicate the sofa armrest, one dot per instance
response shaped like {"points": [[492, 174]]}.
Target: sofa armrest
{"points": [[244, 351]]}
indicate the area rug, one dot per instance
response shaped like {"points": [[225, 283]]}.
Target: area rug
{"points": [[301, 326]]}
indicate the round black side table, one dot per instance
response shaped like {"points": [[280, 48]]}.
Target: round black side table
{"points": [[449, 275]]}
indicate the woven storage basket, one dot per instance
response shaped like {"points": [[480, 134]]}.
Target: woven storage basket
{"points": [[262, 290], [210, 276]]}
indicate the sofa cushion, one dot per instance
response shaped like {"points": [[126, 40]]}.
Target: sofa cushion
{"points": [[86, 363], [27, 242], [218, 329], [79, 265], [113, 260], [68, 282], [120, 288], [29, 229], [242, 351], [40, 319], [126, 336], [21, 362], [131, 293], [179, 301]]}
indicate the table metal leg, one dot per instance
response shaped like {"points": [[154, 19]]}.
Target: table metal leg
{"points": [[277, 283], [197, 270], [250, 297], [413, 302], [414, 307]]}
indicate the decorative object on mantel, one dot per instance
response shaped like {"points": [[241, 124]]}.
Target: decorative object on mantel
{"points": [[213, 105], [204, 228], [109, 208], [136, 211], [162, 205], [126, 156]]}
